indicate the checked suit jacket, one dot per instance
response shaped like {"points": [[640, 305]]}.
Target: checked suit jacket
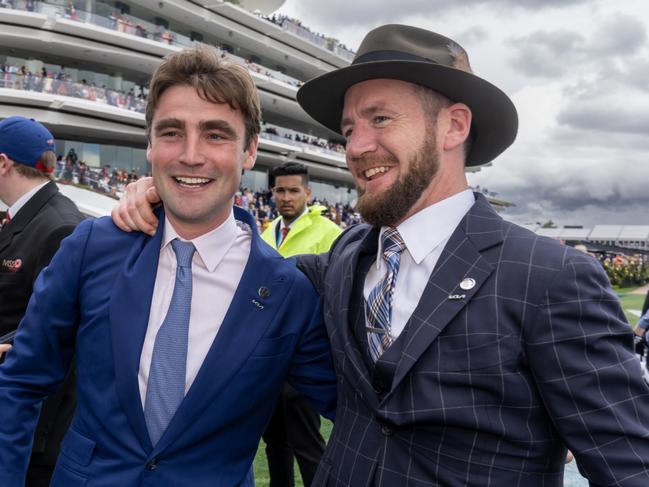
{"points": [[487, 385]]}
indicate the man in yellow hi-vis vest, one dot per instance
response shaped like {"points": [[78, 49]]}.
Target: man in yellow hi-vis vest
{"points": [[294, 429]]}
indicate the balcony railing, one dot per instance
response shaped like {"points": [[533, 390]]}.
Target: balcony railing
{"points": [[128, 24], [130, 101], [85, 91]]}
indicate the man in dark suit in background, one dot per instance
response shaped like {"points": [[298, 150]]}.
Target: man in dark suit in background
{"points": [[469, 351], [38, 218]]}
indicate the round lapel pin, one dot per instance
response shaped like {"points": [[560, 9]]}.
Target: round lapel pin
{"points": [[467, 283], [263, 292]]}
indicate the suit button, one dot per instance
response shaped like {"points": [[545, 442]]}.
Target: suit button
{"points": [[152, 465], [379, 388], [387, 430]]}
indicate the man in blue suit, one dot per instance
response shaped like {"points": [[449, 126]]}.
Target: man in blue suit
{"points": [[469, 351], [182, 340]]}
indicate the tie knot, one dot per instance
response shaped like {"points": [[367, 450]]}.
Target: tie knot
{"points": [[392, 242], [184, 252]]}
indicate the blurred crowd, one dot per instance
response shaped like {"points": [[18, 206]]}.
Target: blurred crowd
{"points": [[60, 83], [112, 182]]}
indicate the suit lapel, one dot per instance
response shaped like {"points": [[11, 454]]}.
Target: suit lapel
{"points": [[129, 316], [341, 336], [245, 322], [27, 213], [443, 297]]}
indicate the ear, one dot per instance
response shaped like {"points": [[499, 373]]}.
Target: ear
{"points": [[309, 193], [148, 152], [5, 163], [251, 153], [459, 126]]}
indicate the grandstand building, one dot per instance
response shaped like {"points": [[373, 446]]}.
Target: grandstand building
{"points": [[81, 67], [634, 237]]}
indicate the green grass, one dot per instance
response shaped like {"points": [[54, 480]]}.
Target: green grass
{"points": [[628, 301], [261, 466]]}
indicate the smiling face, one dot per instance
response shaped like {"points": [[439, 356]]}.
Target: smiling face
{"points": [[392, 149], [197, 154]]}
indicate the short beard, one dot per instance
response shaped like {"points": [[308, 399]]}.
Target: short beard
{"points": [[392, 205]]}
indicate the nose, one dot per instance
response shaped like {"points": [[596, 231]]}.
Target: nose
{"points": [[361, 141], [192, 151]]}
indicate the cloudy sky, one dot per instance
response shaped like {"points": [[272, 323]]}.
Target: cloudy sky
{"points": [[578, 73]]}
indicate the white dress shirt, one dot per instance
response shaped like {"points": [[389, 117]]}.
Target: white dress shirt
{"points": [[217, 266], [425, 234], [22, 201]]}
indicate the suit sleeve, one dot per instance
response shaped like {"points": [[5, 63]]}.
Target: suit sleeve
{"points": [[314, 266], [580, 349], [311, 372], [41, 356]]}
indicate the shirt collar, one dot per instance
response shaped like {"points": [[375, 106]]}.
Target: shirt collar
{"points": [[212, 246], [440, 221], [22, 201], [283, 225]]}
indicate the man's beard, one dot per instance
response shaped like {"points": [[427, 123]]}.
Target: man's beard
{"points": [[388, 207]]}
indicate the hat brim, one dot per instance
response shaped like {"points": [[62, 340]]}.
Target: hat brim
{"points": [[495, 121]]}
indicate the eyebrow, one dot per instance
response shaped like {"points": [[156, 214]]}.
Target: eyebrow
{"points": [[221, 125], [174, 123], [168, 123]]}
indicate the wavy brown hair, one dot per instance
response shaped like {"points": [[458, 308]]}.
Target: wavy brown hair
{"points": [[216, 81]]}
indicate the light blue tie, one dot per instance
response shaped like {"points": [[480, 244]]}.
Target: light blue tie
{"points": [[378, 310], [166, 387]]}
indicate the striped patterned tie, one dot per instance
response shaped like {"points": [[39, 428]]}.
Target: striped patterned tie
{"points": [[378, 309], [166, 385]]}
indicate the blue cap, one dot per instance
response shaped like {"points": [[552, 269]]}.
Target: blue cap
{"points": [[24, 140]]}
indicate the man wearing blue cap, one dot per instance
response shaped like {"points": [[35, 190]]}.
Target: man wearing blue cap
{"points": [[38, 218]]}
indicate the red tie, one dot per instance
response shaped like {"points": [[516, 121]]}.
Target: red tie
{"points": [[285, 231], [6, 219]]}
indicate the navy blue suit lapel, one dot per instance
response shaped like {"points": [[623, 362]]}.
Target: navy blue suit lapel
{"points": [[341, 335], [245, 323], [129, 316], [460, 259]]}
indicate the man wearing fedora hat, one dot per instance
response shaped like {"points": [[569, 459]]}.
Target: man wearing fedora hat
{"points": [[469, 351], [38, 218]]}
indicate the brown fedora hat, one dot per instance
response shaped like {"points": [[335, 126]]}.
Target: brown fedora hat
{"points": [[424, 58]]}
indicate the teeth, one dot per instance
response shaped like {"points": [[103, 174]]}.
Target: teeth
{"points": [[184, 180], [375, 170]]}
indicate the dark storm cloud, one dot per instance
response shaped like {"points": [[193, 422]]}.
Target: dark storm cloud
{"points": [[602, 117], [576, 200], [552, 53]]}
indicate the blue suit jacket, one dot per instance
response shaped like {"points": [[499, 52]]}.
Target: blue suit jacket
{"points": [[486, 385], [93, 303]]}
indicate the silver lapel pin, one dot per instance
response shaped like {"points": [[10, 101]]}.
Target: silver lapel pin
{"points": [[467, 283], [263, 292]]}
